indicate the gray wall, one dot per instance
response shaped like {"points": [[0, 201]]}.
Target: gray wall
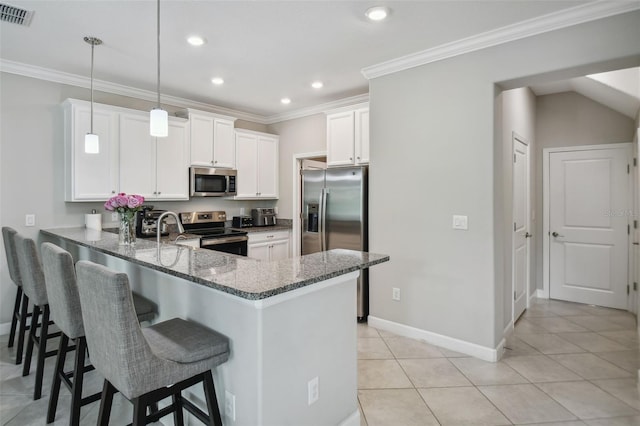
{"points": [[299, 136], [32, 161], [518, 115], [570, 119], [432, 156]]}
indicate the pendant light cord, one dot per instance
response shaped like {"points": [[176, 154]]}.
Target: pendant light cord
{"points": [[93, 45], [158, 27]]}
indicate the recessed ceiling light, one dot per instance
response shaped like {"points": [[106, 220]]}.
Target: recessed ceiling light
{"points": [[378, 13], [285, 101], [217, 81], [196, 41], [317, 85]]}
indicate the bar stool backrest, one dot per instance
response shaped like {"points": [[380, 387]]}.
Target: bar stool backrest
{"points": [[8, 235], [62, 290], [117, 346], [31, 270]]}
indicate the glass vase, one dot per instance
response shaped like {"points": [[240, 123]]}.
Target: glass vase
{"points": [[127, 231]]}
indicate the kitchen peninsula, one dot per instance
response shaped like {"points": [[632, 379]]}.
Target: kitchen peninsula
{"points": [[290, 321]]}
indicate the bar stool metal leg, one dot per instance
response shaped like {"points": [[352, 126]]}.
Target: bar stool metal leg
{"points": [[210, 396], [14, 318], [22, 329], [105, 403], [26, 368], [57, 380], [42, 352], [178, 418]]}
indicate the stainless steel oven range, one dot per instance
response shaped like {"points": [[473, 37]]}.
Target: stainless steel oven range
{"points": [[210, 226]]}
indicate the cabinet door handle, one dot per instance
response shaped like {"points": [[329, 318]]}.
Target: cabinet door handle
{"points": [[358, 158], [159, 192], [215, 162], [350, 158], [113, 192]]}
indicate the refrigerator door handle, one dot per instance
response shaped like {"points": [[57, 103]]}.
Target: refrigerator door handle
{"points": [[323, 219]]}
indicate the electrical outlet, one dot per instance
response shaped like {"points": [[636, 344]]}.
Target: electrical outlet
{"points": [[30, 220], [395, 293], [229, 405], [460, 222], [313, 390]]}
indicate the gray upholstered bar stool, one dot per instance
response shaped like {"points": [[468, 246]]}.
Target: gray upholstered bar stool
{"points": [[64, 302], [150, 364], [34, 287], [21, 305]]}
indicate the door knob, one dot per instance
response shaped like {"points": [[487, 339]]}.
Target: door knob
{"points": [[528, 235], [556, 235]]}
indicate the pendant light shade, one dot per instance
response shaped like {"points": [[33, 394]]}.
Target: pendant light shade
{"points": [[159, 124], [158, 118], [91, 140], [91, 143]]}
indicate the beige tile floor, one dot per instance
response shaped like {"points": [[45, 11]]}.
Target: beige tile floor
{"points": [[566, 364]]}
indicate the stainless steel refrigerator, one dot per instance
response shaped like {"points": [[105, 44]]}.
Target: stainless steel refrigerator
{"points": [[334, 215]]}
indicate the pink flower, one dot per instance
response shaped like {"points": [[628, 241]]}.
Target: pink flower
{"points": [[135, 201], [122, 200], [108, 205]]}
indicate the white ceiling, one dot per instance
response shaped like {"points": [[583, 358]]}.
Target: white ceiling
{"points": [[265, 50]]}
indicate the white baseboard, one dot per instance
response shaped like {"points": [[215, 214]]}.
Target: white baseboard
{"points": [[352, 420], [540, 294], [5, 328], [451, 343]]}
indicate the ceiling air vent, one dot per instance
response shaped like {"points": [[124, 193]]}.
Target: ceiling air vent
{"points": [[15, 15]]}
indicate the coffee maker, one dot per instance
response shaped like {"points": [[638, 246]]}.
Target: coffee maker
{"points": [[147, 222]]}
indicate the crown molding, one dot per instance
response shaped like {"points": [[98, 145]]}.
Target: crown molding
{"points": [[317, 109], [61, 77], [554, 21]]}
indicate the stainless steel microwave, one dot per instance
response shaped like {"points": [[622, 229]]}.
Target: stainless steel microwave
{"points": [[210, 182]]}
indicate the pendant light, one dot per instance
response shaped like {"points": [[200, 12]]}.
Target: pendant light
{"points": [[91, 140], [158, 119]]}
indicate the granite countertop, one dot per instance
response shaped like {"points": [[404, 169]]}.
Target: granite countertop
{"points": [[272, 228], [237, 275]]}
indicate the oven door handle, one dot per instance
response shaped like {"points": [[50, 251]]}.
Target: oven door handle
{"points": [[217, 241]]}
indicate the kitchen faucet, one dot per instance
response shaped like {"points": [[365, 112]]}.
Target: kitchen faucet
{"points": [[159, 224]]}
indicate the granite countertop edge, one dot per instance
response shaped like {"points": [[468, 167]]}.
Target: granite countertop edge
{"points": [[259, 295]]}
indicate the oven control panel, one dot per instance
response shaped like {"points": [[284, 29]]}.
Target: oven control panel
{"points": [[203, 217]]}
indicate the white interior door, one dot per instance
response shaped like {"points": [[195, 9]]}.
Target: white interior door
{"points": [[521, 226], [588, 219]]}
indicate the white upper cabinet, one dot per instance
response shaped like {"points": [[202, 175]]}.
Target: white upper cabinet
{"points": [[348, 136], [172, 162], [257, 165], [212, 139], [224, 146], [90, 177], [156, 168]]}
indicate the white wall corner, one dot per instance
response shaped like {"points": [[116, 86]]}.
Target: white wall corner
{"points": [[5, 328], [472, 349], [351, 420]]}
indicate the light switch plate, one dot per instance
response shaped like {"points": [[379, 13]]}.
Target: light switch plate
{"points": [[30, 220], [460, 222]]}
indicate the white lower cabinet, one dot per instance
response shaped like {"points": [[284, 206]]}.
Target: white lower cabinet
{"points": [[268, 245]]}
